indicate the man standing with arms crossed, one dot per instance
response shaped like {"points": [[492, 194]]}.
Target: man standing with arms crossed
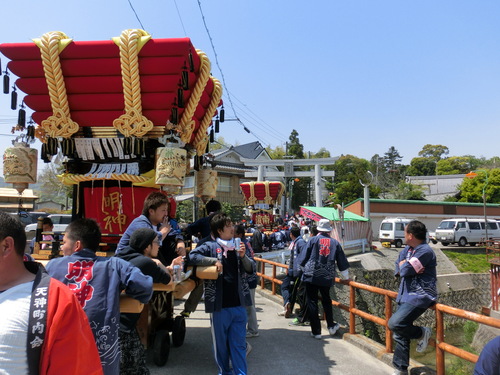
{"points": [[416, 265]]}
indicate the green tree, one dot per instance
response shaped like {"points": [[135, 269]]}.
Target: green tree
{"points": [[457, 165], [407, 191], [276, 153], [51, 189], [295, 148], [236, 213], [471, 189], [422, 166], [349, 170], [299, 190], [434, 152], [218, 144], [388, 170], [322, 153], [185, 211]]}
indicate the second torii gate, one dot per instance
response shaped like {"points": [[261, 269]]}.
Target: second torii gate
{"points": [[288, 165]]}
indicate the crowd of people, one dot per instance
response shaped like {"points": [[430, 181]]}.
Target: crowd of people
{"points": [[79, 292]]}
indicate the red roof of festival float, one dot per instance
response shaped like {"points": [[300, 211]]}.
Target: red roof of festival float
{"points": [[262, 191], [171, 74]]}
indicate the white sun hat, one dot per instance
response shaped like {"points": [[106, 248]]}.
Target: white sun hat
{"points": [[324, 225]]}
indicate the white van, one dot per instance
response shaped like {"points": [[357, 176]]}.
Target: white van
{"points": [[392, 230], [465, 231], [60, 222]]}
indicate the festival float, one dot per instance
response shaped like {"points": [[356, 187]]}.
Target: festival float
{"points": [[262, 197], [123, 117]]}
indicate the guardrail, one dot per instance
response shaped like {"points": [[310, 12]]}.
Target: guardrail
{"points": [[440, 345]]}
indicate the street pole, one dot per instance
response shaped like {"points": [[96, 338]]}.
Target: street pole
{"points": [[484, 206]]}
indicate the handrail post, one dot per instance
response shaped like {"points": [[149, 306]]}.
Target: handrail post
{"points": [[273, 288], [352, 306], [263, 271], [388, 333], [439, 339]]}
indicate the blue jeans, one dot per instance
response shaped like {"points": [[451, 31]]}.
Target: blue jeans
{"points": [[401, 323]]}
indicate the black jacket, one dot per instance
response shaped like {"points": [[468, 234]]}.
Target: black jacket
{"points": [[147, 267]]}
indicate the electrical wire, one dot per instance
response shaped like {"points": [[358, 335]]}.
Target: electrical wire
{"points": [[136, 16], [180, 18], [229, 96], [217, 59]]}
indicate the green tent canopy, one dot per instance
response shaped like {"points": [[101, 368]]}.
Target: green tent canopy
{"points": [[330, 213]]}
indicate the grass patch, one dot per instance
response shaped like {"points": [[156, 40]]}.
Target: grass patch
{"points": [[474, 263]]}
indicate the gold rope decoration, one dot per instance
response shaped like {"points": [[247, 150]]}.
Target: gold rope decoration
{"points": [[59, 124], [252, 199], [267, 199], [201, 139], [186, 125], [132, 122], [72, 179]]}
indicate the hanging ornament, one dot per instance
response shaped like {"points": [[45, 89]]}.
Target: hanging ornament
{"points": [[191, 62], [222, 113], [170, 164], [174, 117], [21, 116], [217, 125], [20, 165], [13, 98], [206, 184], [185, 78], [6, 82], [180, 97], [212, 136]]}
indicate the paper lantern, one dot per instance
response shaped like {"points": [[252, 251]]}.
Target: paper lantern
{"points": [[170, 168], [20, 166], [206, 184]]}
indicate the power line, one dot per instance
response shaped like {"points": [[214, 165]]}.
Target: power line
{"points": [[216, 59], [180, 18], [136, 16]]}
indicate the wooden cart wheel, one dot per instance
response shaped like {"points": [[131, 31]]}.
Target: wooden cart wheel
{"points": [[161, 347], [178, 331]]}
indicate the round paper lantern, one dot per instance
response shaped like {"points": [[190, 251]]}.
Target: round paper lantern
{"points": [[20, 166]]}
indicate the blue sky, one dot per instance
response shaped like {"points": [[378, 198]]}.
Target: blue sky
{"points": [[354, 77]]}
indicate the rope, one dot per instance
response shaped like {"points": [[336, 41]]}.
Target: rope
{"points": [[132, 122], [187, 123], [72, 179], [60, 123], [201, 139]]}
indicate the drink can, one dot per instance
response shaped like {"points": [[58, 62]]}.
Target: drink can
{"points": [[177, 273]]}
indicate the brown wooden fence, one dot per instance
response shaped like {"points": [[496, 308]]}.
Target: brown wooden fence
{"points": [[440, 345]]}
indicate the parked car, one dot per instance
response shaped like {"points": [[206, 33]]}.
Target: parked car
{"points": [[392, 231], [432, 237], [27, 218], [60, 221], [463, 231]]}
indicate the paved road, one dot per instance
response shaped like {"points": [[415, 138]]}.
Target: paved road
{"points": [[280, 349]]}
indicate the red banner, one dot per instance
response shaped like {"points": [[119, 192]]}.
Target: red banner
{"points": [[115, 207]]}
